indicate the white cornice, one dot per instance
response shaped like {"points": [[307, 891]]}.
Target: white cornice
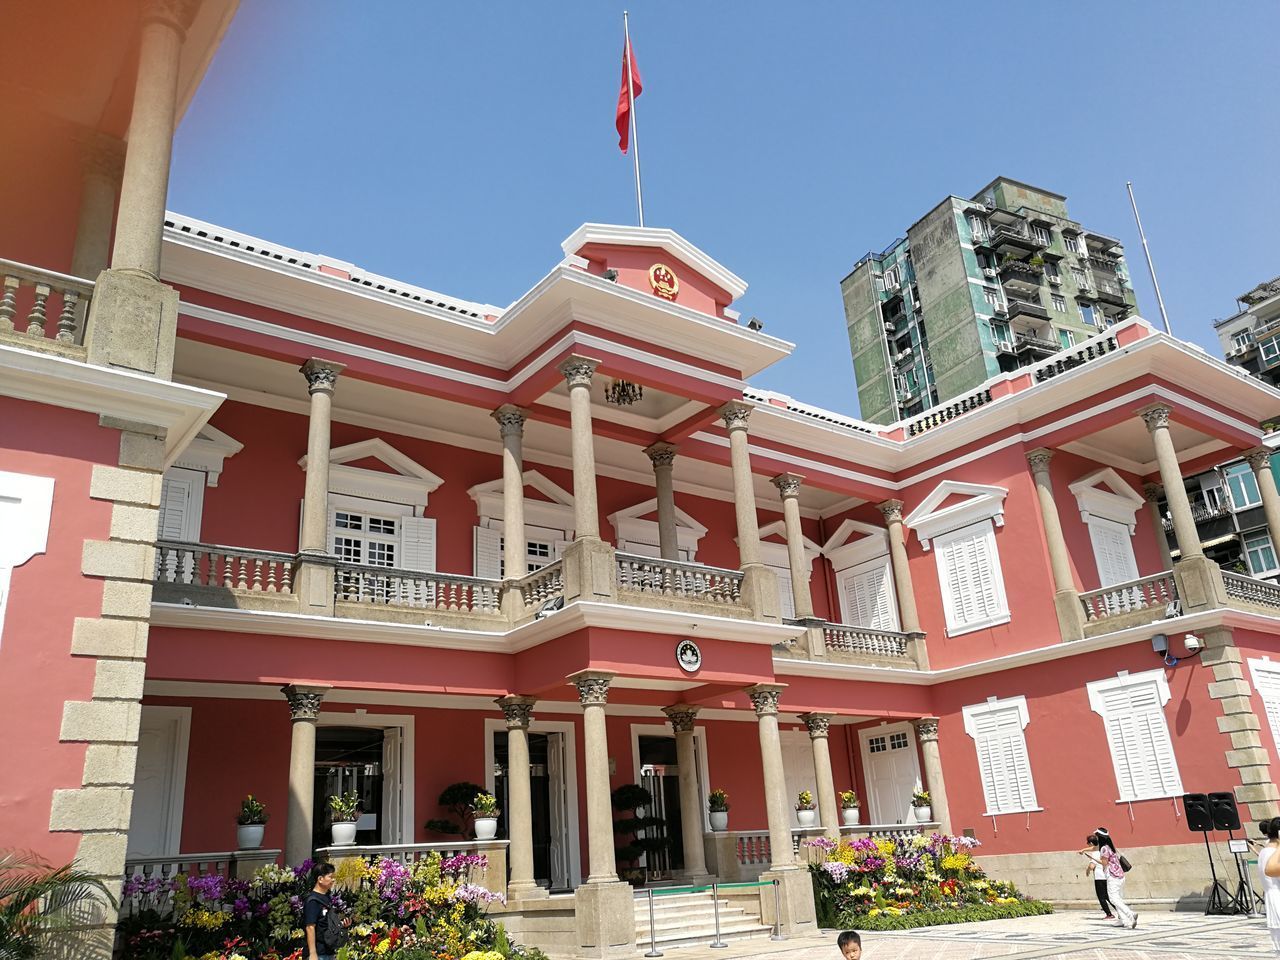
{"points": [[59, 382], [616, 235]]}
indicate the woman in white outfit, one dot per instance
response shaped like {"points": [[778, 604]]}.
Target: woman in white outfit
{"points": [[1109, 858], [1269, 871]]}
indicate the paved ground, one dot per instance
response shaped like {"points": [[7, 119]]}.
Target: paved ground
{"points": [[1073, 934]]}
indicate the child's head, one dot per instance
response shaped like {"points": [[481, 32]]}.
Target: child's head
{"points": [[850, 945], [1271, 828], [322, 876]]}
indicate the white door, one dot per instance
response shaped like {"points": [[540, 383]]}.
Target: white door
{"points": [[892, 772], [559, 811], [392, 786], [797, 767], [156, 825]]}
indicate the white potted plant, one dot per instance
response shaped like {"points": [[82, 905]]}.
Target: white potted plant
{"points": [[484, 813], [806, 809], [344, 811], [251, 822], [718, 808], [850, 808], [922, 806]]}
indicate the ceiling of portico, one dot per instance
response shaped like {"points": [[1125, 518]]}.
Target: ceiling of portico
{"points": [[382, 409], [1127, 445]]}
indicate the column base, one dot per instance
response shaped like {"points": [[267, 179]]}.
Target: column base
{"points": [[526, 891], [697, 879], [918, 649], [512, 602], [760, 592], [1066, 603], [795, 911], [590, 571], [1200, 585], [313, 583], [132, 322], [605, 917], [248, 862]]}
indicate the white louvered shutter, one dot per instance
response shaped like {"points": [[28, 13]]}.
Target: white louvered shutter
{"points": [[175, 507], [1002, 761], [786, 599], [488, 556], [1266, 679], [417, 544], [1141, 749], [1113, 550], [869, 600], [969, 570]]}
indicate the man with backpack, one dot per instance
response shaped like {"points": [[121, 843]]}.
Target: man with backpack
{"points": [[320, 919]]}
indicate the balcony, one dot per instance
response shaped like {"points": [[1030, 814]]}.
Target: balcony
{"points": [[1021, 275], [1025, 308], [1028, 344], [1148, 599], [1014, 238], [1202, 512], [1110, 291], [43, 310]]}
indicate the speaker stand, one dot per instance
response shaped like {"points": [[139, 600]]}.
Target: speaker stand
{"points": [[1245, 899], [1221, 900]]}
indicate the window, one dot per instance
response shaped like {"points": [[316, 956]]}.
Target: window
{"points": [[891, 279], [1242, 339], [991, 295], [1112, 551], [364, 539], [1072, 242], [1243, 486], [1132, 711], [1087, 315], [1079, 277], [1066, 339], [1261, 553], [181, 504], [972, 583], [1000, 334], [369, 534], [540, 550], [866, 596], [1270, 348], [1051, 270], [978, 228], [1266, 680], [1041, 233], [1059, 303], [898, 741], [997, 731]]}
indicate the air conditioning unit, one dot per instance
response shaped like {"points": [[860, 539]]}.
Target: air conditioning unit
{"points": [[1001, 309], [988, 271], [1056, 281]]}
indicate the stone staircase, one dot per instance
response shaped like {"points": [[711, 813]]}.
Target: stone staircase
{"points": [[688, 919]]}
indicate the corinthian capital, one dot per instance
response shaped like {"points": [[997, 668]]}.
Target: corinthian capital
{"points": [[322, 375], [1156, 416], [578, 371], [891, 510], [1259, 457], [304, 701], [518, 711], [819, 724], [682, 716], [788, 484], [178, 14], [735, 415], [510, 420], [661, 455], [927, 729], [593, 687], [1039, 459], [764, 697]]}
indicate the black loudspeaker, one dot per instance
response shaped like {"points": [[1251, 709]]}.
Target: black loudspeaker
{"points": [[1199, 814], [1225, 814]]}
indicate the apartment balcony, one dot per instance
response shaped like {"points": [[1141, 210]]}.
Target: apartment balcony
{"points": [[1028, 309], [1202, 512], [1021, 275], [1110, 291], [1013, 238], [1030, 345]]}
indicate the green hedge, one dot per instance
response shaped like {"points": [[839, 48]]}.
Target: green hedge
{"points": [[931, 918]]}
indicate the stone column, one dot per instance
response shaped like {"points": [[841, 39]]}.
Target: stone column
{"points": [[315, 580], [304, 709], [604, 906], [788, 485], [103, 163], [663, 457], [759, 585], [511, 426], [1199, 579], [578, 372], [902, 586], [764, 697], [819, 725], [682, 717], [1152, 492], [927, 734], [1066, 598], [519, 712], [1156, 418], [1260, 460], [795, 891], [593, 692], [145, 185]]}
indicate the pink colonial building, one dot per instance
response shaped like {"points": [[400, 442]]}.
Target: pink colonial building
{"points": [[273, 524]]}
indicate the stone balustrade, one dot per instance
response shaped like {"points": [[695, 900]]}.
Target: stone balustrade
{"points": [[388, 586], [945, 413], [839, 638], [542, 586], [1155, 593], [43, 305], [888, 831], [228, 568], [149, 880], [1263, 593], [685, 581]]}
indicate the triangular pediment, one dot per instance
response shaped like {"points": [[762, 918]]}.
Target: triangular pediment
{"points": [[648, 511], [1104, 493], [778, 529], [855, 542], [551, 508], [953, 504], [404, 481], [658, 239], [208, 452], [533, 480]]}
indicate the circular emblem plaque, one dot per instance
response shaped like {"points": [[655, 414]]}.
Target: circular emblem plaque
{"points": [[688, 656], [663, 280]]}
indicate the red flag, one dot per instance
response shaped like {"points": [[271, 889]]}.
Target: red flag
{"points": [[624, 101]]}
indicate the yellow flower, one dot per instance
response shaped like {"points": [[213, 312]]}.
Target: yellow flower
{"points": [[873, 912]]}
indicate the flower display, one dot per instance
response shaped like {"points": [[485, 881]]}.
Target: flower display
{"points": [[886, 883], [433, 909]]}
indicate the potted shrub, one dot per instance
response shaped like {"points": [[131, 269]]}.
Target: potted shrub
{"points": [[484, 813], [922, 805], [632, 831], [251, 822], [344, 811], [806, 809], [850, 808], [718, 808]]}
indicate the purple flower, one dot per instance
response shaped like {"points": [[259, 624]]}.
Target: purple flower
{"points": [[209, 888], [305, 867], [474, 893], [837, 871], [456, 866], [241, 907], [826, 844], [295, 904], [262, 909], [393, 877]]}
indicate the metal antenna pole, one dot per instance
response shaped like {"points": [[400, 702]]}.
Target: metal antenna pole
{"points": [[631, 100], [1151, 267]]}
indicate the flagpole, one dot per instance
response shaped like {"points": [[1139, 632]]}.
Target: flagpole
{"points": [[1151, 267], [631, 100]]}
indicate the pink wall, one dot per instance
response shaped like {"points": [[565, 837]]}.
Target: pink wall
{"points": [[1073, 775], [633, 263], [37, 671]]}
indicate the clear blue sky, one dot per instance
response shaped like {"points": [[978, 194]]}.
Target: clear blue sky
{"points": [[454, 145]]}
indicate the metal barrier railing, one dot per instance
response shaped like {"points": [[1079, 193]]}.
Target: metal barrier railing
{"points": [[715, 888]]}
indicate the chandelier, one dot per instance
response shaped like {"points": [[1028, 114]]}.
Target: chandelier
{"points": [[623, 393]]}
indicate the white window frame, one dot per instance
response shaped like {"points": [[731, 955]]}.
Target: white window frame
{"points": [[998, 615], [1041, 233], [635, 534], [1097, 691], [26, 505], [1270, 349], [1105, 498], [1242, 339], [1260, 571], [535, 537], [993, 766], [1241, 470], [1072, 242], [1265, 673], [1059, 302], [861, 569], [191, 510]]}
